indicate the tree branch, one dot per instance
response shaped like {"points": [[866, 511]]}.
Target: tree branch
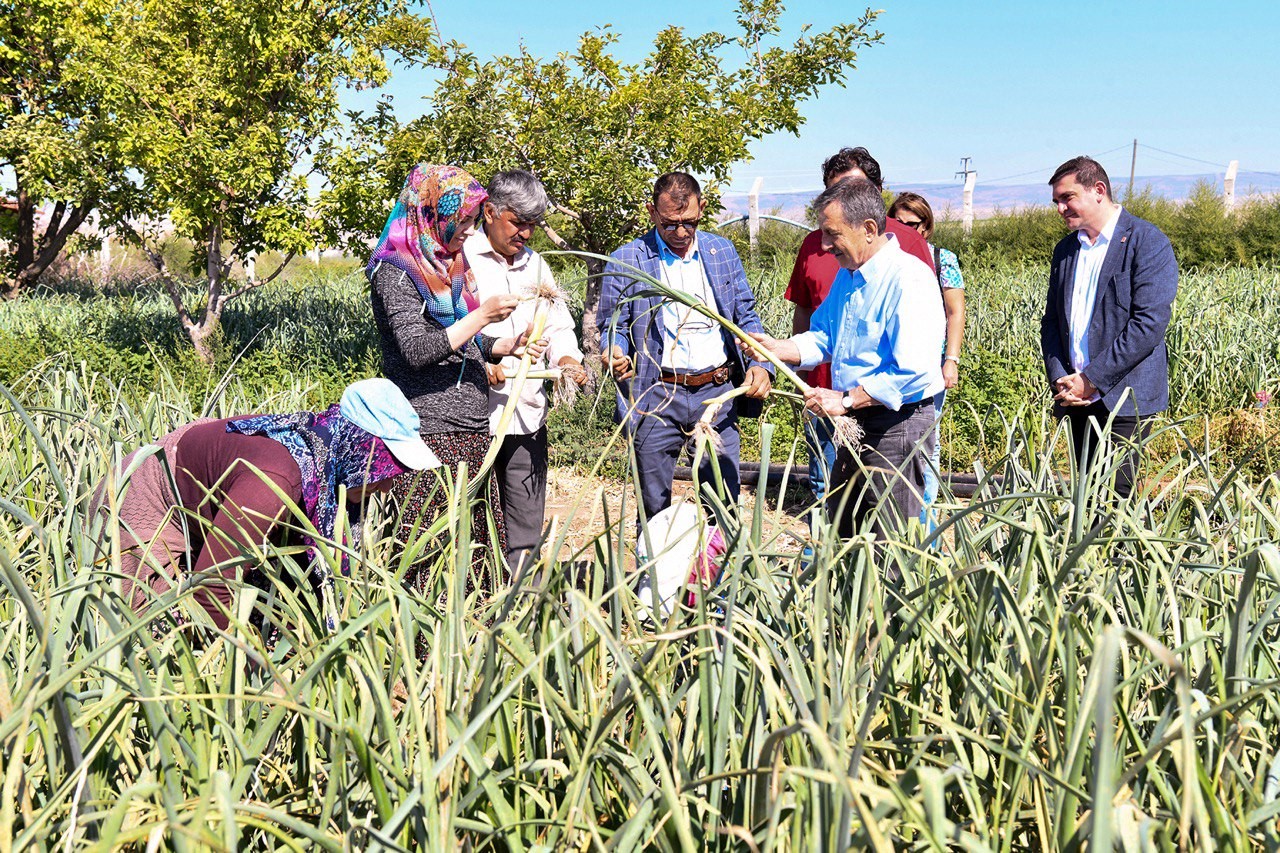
{"points": [[560, 208], [162, 270], [52, 225], [50, 247], [556, 238], [260, 282]]}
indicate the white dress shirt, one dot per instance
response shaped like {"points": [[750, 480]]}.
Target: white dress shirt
{"points": [[495, 277], [691, 342], [1084, 291]]}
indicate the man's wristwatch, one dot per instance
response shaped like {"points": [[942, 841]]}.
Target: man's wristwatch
{"points": [[847, 402]]}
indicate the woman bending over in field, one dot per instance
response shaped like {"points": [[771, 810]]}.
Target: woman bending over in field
{"points": [[432, 347], [221, 489]]}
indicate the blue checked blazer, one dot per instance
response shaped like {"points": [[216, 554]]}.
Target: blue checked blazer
{"points": [[1136, 288], [634, 322]]}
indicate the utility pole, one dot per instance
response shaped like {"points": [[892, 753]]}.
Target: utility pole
{"points": [[1133, 164], [970, 177], [753, 214], [1229, 187]]}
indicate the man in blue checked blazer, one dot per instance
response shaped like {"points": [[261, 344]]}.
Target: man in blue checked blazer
{"points": [[669, 360], [1111, 290]]}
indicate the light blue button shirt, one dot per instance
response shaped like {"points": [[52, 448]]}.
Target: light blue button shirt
{"points": [[691, 342], [881, 327]]}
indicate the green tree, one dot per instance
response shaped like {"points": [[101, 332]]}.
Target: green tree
{"points": [[57, 137], [597, 131], [227, 104]]}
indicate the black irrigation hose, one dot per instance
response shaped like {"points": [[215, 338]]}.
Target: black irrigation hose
{"points": [[962, 485]]}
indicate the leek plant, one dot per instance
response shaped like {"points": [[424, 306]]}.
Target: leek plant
{"points": [[1052, 668]]}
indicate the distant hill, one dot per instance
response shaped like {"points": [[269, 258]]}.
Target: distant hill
{"points": [[990, 198]]}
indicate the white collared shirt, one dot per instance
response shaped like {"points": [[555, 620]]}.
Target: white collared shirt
{"points": [[1084, 291], [495, 277], [691, 342]]}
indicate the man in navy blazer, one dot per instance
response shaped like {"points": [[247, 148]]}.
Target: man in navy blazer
{"points": [[1111, 290], [669, 360]]}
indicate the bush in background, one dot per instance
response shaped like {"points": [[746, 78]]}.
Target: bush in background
{"points": [[1201, 234]]}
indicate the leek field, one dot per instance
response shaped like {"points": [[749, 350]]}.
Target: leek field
{"points": [[1051, 669]]}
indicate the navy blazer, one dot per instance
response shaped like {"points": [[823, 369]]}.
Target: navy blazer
{"points": [[633, 321], [1136, 288]]}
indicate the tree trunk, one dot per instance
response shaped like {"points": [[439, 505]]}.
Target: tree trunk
{"points": [[215, 298], [591, 299], [198, 330], [590, 303], [33, 254], [199, 334]]}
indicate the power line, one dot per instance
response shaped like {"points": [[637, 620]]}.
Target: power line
{"points": [[1019, 175], [1182, 156], [1167, 162], [1049, 169], [792, 185], [1111, 151]]}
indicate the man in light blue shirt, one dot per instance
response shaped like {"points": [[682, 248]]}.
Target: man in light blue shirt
{"points": [[881, 328]]}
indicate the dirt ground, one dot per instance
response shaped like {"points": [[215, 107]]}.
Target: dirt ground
{"points": [[587, 505]]}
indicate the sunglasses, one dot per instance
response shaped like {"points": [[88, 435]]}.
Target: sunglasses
{"points": [[689, 225], [917, 224]]}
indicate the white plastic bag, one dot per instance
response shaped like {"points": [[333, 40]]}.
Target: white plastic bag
{"points": [[677, 548]]}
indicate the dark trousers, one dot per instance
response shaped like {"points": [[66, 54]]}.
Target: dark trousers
{"points": [[662, 433], [884, 482], [522, 488], [1090, 433]]}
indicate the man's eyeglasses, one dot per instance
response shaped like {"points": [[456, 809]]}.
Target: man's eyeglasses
{"points": [[689, 225]]}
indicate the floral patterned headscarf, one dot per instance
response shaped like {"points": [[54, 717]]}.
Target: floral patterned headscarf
{"points": [[330, 451], [434, 202]]}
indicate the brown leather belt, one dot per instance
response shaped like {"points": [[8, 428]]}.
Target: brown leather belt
{"points": [[715, 376]]}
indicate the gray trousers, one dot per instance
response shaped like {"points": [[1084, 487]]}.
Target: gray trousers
{"points": [[883, 485], [522, 487]]}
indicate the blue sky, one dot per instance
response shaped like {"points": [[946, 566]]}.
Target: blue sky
{"points": [[1017, 86]]}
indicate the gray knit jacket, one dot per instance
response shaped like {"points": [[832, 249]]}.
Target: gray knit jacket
{"points": [[448, 389]]}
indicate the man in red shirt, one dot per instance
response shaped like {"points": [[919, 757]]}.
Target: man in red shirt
{"points": [[810, 282]]}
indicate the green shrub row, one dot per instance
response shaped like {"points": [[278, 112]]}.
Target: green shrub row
{"points": [[1203, 235]]}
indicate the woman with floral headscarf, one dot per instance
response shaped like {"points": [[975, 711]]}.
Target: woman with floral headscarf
{"points": [[432, 347]]}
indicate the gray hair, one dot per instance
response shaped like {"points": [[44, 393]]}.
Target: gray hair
{"points": [[519, 192], [859, 200]]}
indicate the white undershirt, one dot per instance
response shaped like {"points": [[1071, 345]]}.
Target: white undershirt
{"points": [[1084, 291]]}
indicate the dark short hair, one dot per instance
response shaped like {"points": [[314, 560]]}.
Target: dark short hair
{"points": [[1087, 172], [917, 204], [852, 158], [678, 185], [859, 200], [519, 192]]}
